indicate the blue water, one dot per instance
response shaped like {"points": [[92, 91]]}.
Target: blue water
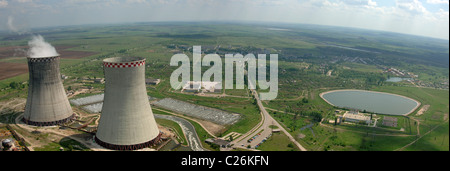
{"points": [[371, 101]]}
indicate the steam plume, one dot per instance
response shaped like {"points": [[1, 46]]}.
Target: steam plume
{"points": [[11, 25], [17, 26], [40, 48]]}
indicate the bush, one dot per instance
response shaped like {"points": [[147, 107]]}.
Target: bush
{"points": [[16, 85], [290, 145], [305, 100]]}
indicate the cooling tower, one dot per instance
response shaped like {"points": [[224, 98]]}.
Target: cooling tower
{"points": [[47, 102], [127, 121]]}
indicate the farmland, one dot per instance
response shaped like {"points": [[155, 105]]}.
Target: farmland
{"points": [[312, 60]]}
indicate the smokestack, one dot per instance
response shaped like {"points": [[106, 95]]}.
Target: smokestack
{"points": [[127, 121], [47, 102]]}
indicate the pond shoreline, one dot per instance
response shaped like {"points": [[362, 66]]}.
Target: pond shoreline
{"points": [[418, 104]]}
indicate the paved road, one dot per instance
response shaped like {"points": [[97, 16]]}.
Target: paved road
{"points": [[188, 130], [262, 130]]}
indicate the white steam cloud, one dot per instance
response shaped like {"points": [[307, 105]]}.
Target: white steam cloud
{"points": [[40, 48], [17, 26], [11, 25]]}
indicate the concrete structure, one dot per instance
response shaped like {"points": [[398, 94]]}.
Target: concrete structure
{"points": [[47, 102], [192, 86], [212, 87], [202, 86], [126, 121], [356, 117]]}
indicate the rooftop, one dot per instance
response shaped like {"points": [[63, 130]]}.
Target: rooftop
{"points": [[356, 116]]}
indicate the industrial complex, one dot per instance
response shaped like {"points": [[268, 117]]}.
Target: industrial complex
{"points": [[125, 93], [126, 121]]}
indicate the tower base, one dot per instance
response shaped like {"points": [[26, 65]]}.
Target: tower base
{"points": [[128, 147], [52, 123]]}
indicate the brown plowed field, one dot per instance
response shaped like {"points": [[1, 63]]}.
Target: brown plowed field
{"points": [[8, 70], [11, 51], [17, 51], [70, 54]]}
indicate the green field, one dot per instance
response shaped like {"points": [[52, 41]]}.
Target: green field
{"points": [[306, 54]]}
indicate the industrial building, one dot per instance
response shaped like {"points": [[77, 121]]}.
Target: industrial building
{"points": [[47, 102], [202, 86], [126, 120], [356, 117], [192, 86]]}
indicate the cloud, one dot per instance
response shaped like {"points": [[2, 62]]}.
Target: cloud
{"points": [[414, 7], [3, 3], [136, 1], [359, 2], [443, 14], [24, 1], [438, 1], [370, 14]]}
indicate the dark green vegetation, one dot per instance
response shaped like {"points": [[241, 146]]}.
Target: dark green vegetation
{"points": [[66, 144], [312, 59]]}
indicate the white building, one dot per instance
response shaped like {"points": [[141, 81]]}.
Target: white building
{"points": [[192, 86], [356, 117], [204, 86]]}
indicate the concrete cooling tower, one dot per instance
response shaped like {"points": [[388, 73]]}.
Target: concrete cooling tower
{"points": [[126, 121], [47, 102]]}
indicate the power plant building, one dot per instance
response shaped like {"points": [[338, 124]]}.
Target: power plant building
{"points": [[47, 102], [126, 121]]}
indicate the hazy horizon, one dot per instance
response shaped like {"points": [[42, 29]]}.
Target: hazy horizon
{"points": [[428, 18]]}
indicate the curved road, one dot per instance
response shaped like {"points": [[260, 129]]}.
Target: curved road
{"points": [[188, 129], [262, 128]]}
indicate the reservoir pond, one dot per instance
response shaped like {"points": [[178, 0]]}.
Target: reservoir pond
{"points": [[371, 101]]}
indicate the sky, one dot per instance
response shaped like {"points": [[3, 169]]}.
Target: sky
{"points": [[428, 18]]}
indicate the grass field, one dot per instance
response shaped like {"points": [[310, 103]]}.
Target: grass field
{"points": [[306, 54], [67, 144], [363, 138], [278, 142]]}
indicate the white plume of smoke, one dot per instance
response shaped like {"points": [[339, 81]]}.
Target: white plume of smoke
{"points": [[17, 26], [40, 48], [11, 25]]}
